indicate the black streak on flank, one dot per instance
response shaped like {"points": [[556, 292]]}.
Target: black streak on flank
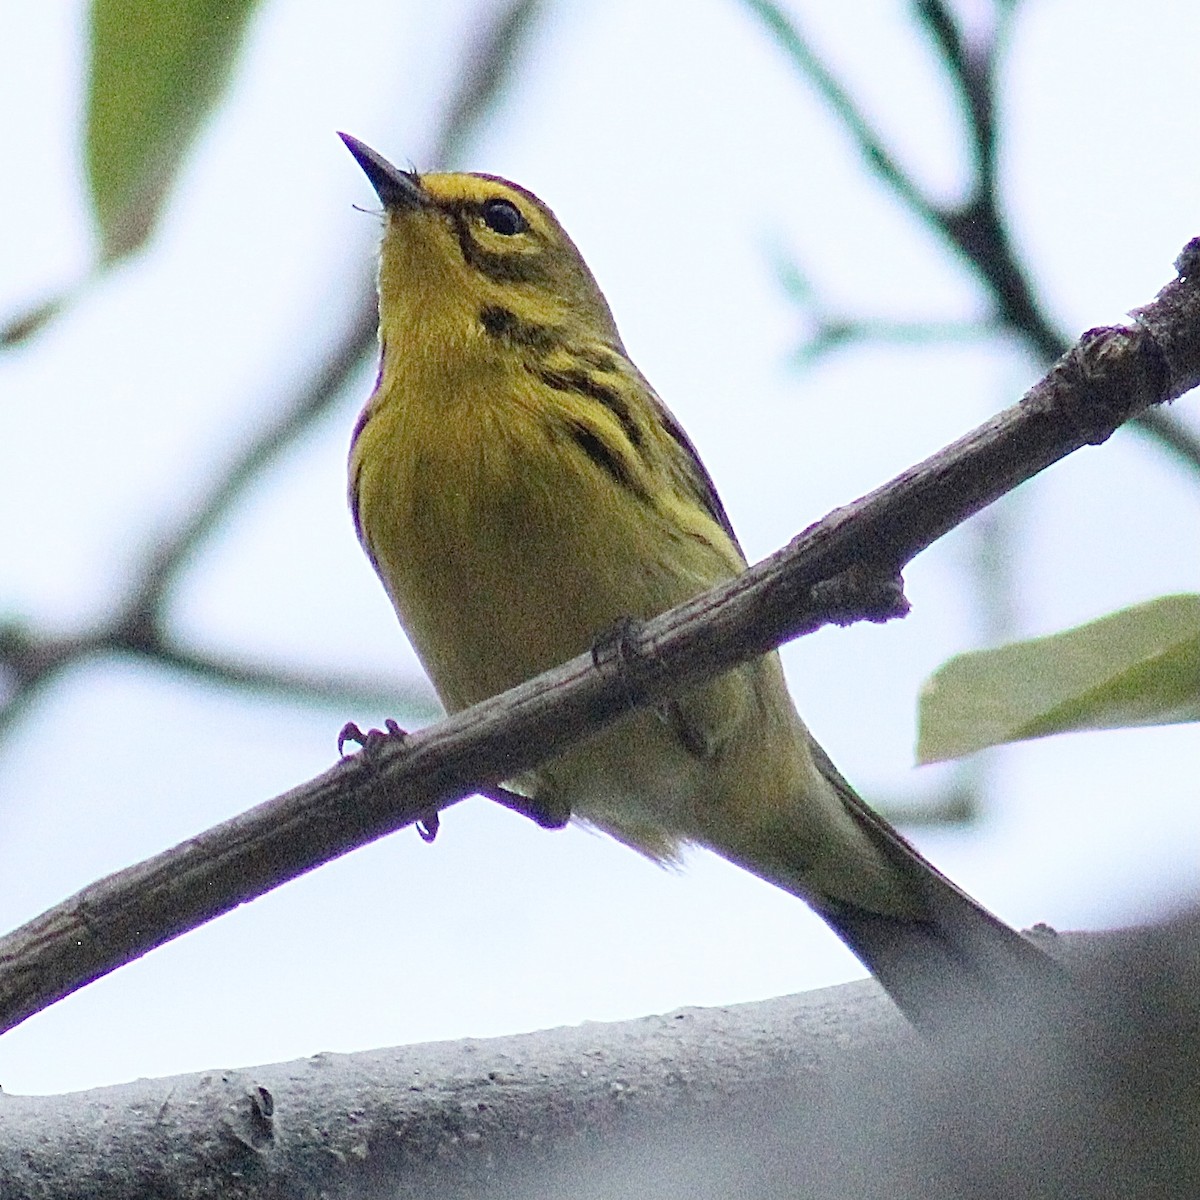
{"points": [[600, 358], [503, 268], [355, 505], [698, 480], [603, 455], [504, 324], [582, 384]]}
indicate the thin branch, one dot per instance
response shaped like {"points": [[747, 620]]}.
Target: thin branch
{"points": [[1170, 432], [971, 70], [976, 227], [788, 36], [956, 803], [30, 662], [489, 69], [412, 697], [486, 70], [166, 561], [833, 331], [843, 568]]}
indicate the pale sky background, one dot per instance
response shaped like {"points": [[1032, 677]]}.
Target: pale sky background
{"points": [[681, 152]]}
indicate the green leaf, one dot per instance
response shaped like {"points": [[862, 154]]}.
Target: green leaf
{"points": [[1139, 666], [157, 67]]}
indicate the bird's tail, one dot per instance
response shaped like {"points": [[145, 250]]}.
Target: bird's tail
{"points": [[951, 953]]}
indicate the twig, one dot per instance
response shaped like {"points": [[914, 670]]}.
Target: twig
{"points": [[30, 660], [412, 696], [788, 36], [484, 73], [976, 226], [840, 569], [832, 330]]}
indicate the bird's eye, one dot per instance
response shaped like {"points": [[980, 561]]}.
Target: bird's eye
{"points": [[504, 217]]}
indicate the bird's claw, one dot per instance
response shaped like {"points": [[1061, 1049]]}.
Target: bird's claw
{"points": [[372, 739], [612, 645]]}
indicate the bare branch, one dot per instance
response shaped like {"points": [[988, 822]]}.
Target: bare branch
{"points": [[485, 72], [173, 554], [414, 697], [833, 331], [971, 70], [976, 227], [30, 661], [841, 569], [788, 36]]}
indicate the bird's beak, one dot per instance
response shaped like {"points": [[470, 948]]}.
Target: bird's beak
{"points": [[396, 188]]}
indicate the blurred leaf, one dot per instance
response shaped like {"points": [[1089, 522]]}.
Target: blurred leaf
{"points": [[25, 324], [1139, 666], [156, 70]]}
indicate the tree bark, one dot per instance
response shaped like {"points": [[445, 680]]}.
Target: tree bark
{"points": [[826, 1094]]}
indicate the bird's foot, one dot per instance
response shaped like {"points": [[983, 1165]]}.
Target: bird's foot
{"points": [[613, 644], [542, 811], [371, 742], [372, 739]]}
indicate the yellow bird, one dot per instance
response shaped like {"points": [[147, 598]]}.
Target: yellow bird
{"points": [[520, 489]]}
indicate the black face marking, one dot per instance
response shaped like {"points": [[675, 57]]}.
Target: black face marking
{"points": [[605, 457], [504, 324], [503, 268], [583, 384]]}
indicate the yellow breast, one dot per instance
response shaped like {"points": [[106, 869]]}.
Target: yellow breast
{"points": [[505, 550]]}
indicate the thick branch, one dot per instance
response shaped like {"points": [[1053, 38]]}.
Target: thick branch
{"points": [[824, 1094], [841, 569]]}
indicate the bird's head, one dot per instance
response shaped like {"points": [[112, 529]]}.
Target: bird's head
{"points": [[471, 249]]}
